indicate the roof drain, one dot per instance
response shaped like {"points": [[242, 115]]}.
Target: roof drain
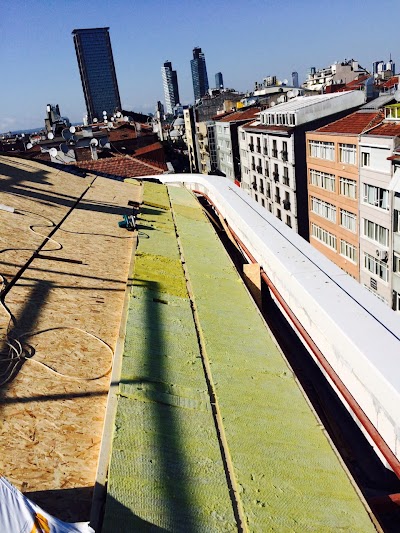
{"points": [[219, 426]]}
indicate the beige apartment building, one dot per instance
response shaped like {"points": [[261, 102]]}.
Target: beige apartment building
{"points": [[333, 188]]}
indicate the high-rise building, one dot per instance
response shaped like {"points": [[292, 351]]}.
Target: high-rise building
{"points": [[170, 83], [199, 73], [295, 79], [97, 70], [219, 81]]}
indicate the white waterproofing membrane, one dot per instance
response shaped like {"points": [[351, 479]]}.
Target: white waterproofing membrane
{"points": [[19, 514]]}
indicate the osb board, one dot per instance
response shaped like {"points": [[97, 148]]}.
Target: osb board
{"points": [[51, 425]]}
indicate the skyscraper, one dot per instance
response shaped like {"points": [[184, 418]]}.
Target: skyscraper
{"points": [[295, 79], [219, 81], [199, 73], [170, 83], [97, 70]]}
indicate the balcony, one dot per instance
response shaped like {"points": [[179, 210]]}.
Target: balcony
{"points": [[251, 147], [284, 155], [276, 176], [259, 169], [286, 204], [274, 153]]}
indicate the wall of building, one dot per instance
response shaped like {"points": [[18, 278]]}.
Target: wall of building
{"points": [[378, 174], [340, 201]]}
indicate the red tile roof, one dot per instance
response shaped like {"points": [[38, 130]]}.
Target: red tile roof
{"points": [[394, 80], [355, 83], [353, 124], [150, 148], [386, 129], [241, 115], [123, 132], [120, 166]]}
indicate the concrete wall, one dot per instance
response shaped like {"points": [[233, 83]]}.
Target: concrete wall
{"points": [[358, 335]]}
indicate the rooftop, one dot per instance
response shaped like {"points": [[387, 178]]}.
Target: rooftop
{"points": [[353, 124], [241, 115]]}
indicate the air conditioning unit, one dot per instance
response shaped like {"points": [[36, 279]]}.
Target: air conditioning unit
{"points": [[382, 255]]}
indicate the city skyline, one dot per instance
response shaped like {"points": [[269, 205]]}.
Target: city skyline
{"points": [[39, 58]]}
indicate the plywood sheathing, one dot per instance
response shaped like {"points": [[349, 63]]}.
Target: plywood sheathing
{"points": [[51, 425]]}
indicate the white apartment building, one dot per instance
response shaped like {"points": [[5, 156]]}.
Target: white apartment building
{"points": [[343, 72], [378, 210], [228, 158], [273, 152]]}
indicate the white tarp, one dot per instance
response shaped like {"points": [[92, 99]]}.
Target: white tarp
{"points": [[20, 515]]}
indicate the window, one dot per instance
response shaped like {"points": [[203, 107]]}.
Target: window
{"points": [[396, 221], [322, 150], [324, 236], [348, 187], [365, 159], [396, 263], [262, 202], [348, 220], [274, 149], [376, 233], [270, 208], [375, 196], [256, 198], [288, 221], [396, 301], [228, 144], [322, 179], [377, 267], [285, 176], [278, 214], [349, 251], [219, 129], [243, 135], [347, 153], [323, 209]]}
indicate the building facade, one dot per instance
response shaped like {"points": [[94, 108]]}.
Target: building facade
{"points": [[273, 153], [170, 85], [219, 81], [97, 71], [334, 188], [227, 141], [378, 209], [199, 73]]}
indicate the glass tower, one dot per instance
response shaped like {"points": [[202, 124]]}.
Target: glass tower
{"points": [[170, 83], [199, 73], [97, 70], [219, 81]]}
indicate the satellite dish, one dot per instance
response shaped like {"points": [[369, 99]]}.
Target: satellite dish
{"points": [[290, 94], [50, 136], [397, 95], [104, 113], [67, 134], [53, 152], [72, 129], [94, 142], [285, 82], [272, 104], [119, 114], [126, 119], [64, 148], [94, 120], [112, 119], [103, 141], [29, 146]]}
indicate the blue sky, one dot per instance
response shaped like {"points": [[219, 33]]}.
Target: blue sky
{"points": [[245, 40]]}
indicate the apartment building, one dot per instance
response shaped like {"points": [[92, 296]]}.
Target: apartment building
{"points": [[273, 152], [227, 141], [378, 207], [396, 232], [334, 189]]}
